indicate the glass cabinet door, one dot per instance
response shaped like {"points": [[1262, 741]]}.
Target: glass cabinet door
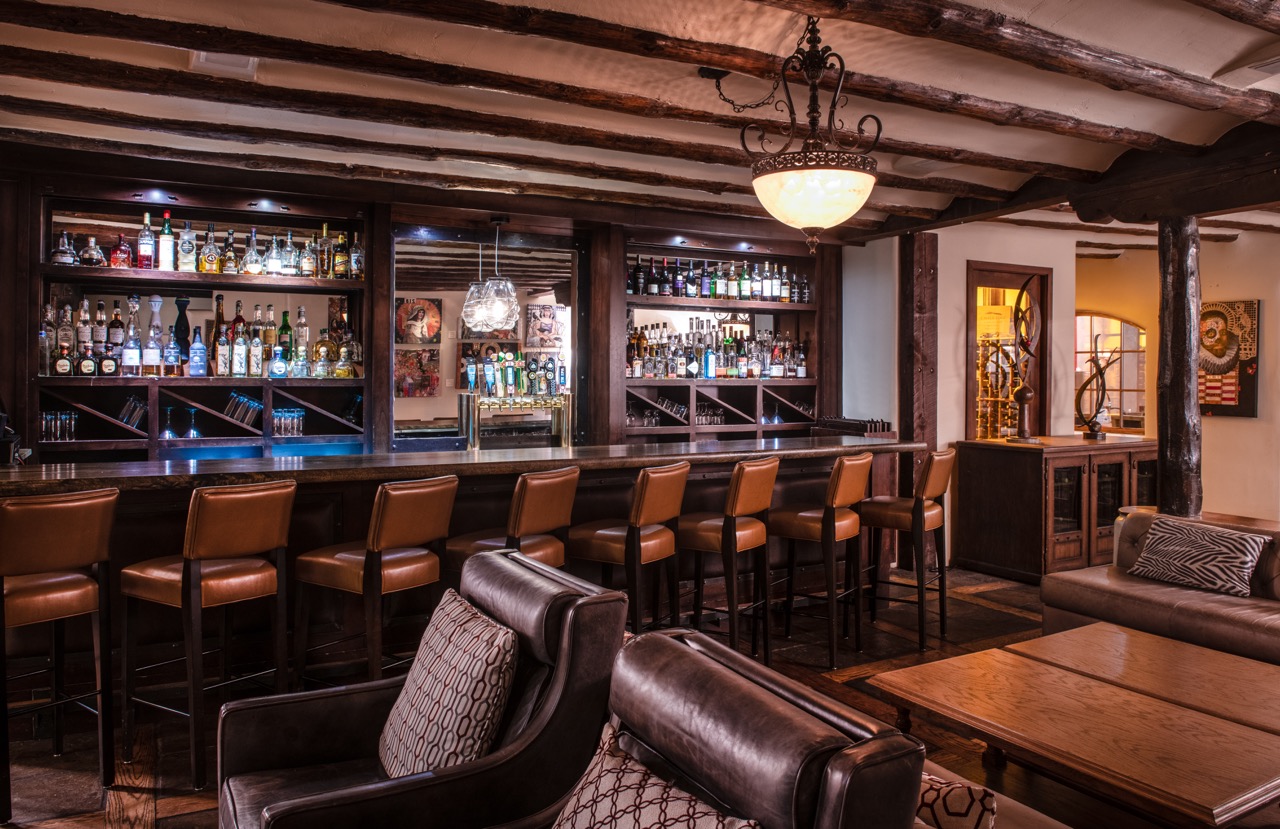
{"points": [[1110, 484], [1145, 492], [1067, 523]]}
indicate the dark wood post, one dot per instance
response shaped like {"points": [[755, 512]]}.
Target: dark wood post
{"points": [[917, 354], [607, 321], [1178, 409], [829, 336]]}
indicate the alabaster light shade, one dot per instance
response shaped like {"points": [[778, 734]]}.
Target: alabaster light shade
{"points": [[813, 198]]}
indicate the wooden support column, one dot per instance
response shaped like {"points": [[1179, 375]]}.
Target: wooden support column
{"points": [[378, 406], [917, 356], [605, 344], [829, 337], [1177, 409]]}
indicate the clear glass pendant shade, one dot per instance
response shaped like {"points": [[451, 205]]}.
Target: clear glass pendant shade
{"points": [[491, 305]]}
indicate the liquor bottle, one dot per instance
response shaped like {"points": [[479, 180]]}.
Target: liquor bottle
{"points": [[307, 259], [239, 353], [325, 341], [756, 283], [638, 277], [115, 328], [284, 336], [733, 285], [269, 330], [219, 313], [273, 259], [343, 370], [198, 364], [288, 256], [229, 261], [251, 263], [172, 366], [91, 255], [775, 284], [355, 270], [802, 368], [341, 258], [131, 355], [146, 244], [182, 328], [210, 255], [324, 254], [324, 368], [188, 256], [84, 328], [99, 331], [766, 284], [721, 285], [152, 352], [301, 345], [704, 282], [806, 295], [63, 365], [64, 253], [222, 354], [121, 254], [651, 286], [238, 323], [166, 249], [744, 286], [784, 288], [44, 351], [677, 281], [109, 365], [691, 282], [255, 351], [65, 333], [278, 369]]}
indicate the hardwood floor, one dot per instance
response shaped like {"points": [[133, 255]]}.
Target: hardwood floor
{"points": [[983, 612]]}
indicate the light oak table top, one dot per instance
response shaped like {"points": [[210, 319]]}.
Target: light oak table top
{"points": [[1184, 734]]}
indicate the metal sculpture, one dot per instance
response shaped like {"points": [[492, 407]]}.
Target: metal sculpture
{"points": [[1097, 379], [1026, 339]]}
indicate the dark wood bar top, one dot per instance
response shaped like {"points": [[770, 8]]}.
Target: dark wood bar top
{"points": [[144, 475], [1065, 443]]}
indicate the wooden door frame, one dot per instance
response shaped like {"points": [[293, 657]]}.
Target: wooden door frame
{"points": [[1044, 381]]}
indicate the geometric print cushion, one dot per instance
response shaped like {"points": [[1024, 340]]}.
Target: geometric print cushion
{"points": [[953, 805], [455, 693], [617, 791], [1199, 555]]}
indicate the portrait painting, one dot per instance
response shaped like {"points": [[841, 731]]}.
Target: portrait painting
{"points": [[1227, 365], [417, 321], [545, 326], [417, 372]]}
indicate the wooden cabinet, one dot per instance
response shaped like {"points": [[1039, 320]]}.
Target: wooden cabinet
{"points": [[1023, 510]]}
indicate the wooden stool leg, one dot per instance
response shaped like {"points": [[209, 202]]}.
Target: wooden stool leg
{"points": [[6, 785], [853, 552], [101, 624], [940, 538], [193, 634], [373, 631], [761, 577], [57, 654], [917, 547], [698, 571], [224, 636], [791, 588], [833, 599], [301, 631], [635, 587], [129, 672], [673, 589], [655, 593], [877, 540], [280, 621], [731, 592]]}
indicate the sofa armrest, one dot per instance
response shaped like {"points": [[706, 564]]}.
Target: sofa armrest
{"points": [[875, 783], [326, 726]]}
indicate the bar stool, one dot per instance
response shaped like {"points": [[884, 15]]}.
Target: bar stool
{"points": [[828, 524], [739, 529], [53, 565], [541, 508], [644, 538], [407, 517], [234, 552], [917, 515]]}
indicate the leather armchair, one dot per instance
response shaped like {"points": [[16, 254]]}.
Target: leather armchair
{"points": [[312, 758]]}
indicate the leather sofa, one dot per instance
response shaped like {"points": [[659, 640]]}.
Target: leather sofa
{"points": [[311, 759], [1246, 626]]}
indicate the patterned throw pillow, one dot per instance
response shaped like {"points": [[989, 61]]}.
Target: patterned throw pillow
{"points": [[1199, 555], [618, 792], [947, 804], [454, 696]]}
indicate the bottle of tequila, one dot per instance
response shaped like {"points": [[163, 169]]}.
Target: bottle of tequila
{"points": [[301, 345], [269, 330], [288, 256], [272, 260], [325, 342], [172, 356], [356, 256], [222, 355], [252, 261], [131, 356], [99, 330], [198, 365], [86, 363], [239, 353], [188, 256], [343, 369], [341, 258], [324, 254], [278, 368], [152, 351], [324, 368], [115, 328], [84, 327], [238, 323], [256, 364]]}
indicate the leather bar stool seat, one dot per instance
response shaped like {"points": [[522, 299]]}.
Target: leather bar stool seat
{"points": [[832, 522], [409, 518], [741, 528], [54, 567], [541, 509], [234, 551], [894, 513], [645, 537]]}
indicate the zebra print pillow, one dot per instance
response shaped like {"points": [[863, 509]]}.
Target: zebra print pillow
{"points": [[1199, 555]]}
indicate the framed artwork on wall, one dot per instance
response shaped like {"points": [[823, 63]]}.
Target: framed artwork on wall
{"points": [[1227, 375], [418, 321], [417, 372]]}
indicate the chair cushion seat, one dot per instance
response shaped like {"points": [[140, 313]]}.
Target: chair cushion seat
{"points": [[804, 522], [43, 597], [606, 541], [895, 513], [702, 530], [244, 796], [544, 548], [222, 580], [341, 566]]}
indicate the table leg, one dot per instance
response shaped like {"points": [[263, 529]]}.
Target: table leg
{"points": [[903, 722], [993, 757]]}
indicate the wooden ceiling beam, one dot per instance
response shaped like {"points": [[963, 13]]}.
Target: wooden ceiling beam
{"points": [[1118, 245], [998, 34], [108, 74], [1260, 15], [578, 29], [99, 23], [1084, 227], [1097, 255]]}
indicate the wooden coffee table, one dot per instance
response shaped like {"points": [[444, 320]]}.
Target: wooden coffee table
{"points": [[1184, 734]]}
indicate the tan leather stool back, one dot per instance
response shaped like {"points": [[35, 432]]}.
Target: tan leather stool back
{"points": [[49, 533], [238, 521], [751, 487], [412, 513], [659, 494], [543, 502], [936, 475], [848, 484]]}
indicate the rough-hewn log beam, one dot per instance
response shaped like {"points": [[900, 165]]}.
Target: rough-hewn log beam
{"points": [[579, 29], [1261, 14], [107, 74], [99, 23], [1177, 407], [1083, 227], [998, 34], [1097, 256], [1117, 245]]}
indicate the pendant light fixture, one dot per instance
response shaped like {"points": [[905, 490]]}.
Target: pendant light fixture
{"points": [[491, 304], [826, 181]]}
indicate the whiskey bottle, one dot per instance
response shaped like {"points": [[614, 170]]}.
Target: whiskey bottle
{"points": [[121, 254], [115, 328], [222, 354], [229, 261], [324, 254], [65, 333], [172, 357], [152, 351], [775, 284], [188, 256], [733, 285], [252, 261], [356, 255], [784, 287], [269, 329], [307, 259], [131, 356], [288, 256], [91, 255], [341, 258], [146, 244], [166, 249], [99, 330], [64, 253], [198, 365], [210, 255]]}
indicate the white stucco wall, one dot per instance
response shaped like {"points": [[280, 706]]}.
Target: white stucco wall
{"points": [[870, 381]]}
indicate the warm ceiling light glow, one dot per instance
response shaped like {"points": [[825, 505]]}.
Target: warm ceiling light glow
{"points": [[491, 304]]}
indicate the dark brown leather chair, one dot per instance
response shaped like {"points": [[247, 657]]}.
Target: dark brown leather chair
{"points": [[234, 552], [646, 537], [53, 566], [828, 524], [311, 759], [917, 515], [407, 517], [541, 509], [739, 529]]}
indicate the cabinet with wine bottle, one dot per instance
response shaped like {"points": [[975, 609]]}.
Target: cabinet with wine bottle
{"points": [[718, 347], [168, 372]]}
